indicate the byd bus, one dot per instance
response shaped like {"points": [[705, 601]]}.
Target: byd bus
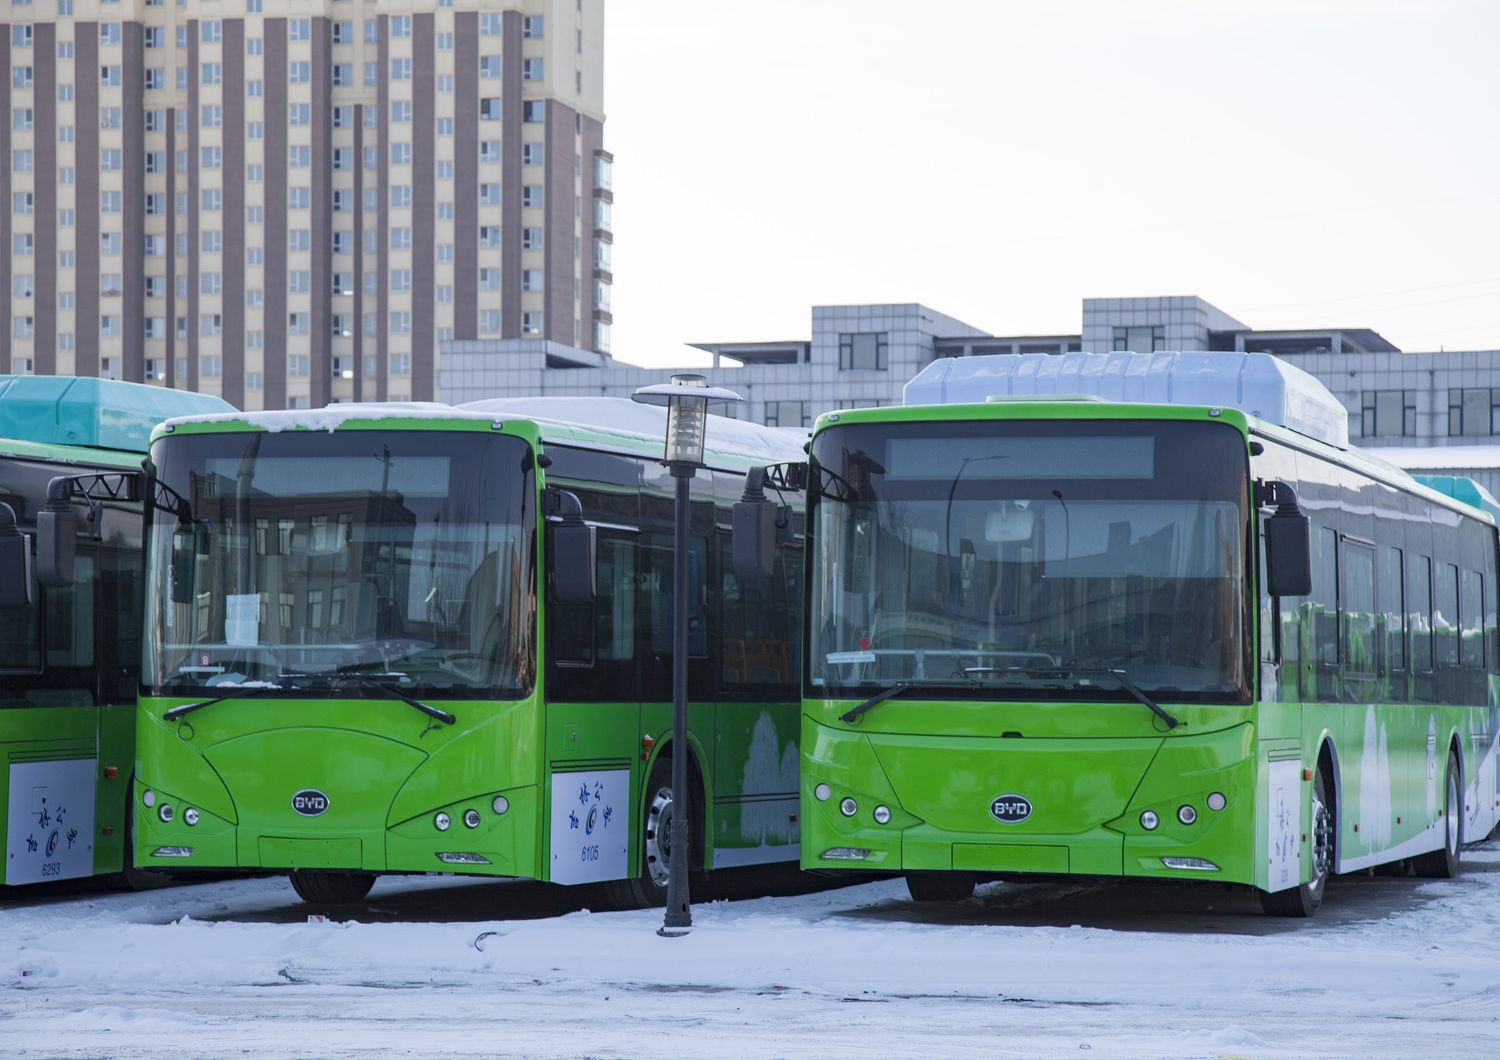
{"points": [[70, 460], [418, 638], [1142, 616]]}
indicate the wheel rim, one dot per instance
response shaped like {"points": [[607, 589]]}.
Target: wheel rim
{"points": [[1322, 842], [1451, 812], [659, 837]]}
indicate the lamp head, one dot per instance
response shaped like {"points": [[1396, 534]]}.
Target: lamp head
{"points": [[686, 398]]}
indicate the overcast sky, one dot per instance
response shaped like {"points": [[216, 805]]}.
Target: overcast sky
{"points": [[1299, 163]]}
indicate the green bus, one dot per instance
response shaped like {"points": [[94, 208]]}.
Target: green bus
{"points": [[69, 652], [1083, 615], [421, 638]]}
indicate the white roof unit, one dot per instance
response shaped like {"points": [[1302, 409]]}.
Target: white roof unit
{"points": [[1256, 383]]}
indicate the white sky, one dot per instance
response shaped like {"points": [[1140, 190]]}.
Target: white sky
{"points": [[1299, 163]]}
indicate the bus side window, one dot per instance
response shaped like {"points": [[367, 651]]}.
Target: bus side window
{"points": [[1419, 613], [1358, 608], [1322, 612], [1445, 616], [1388, 596], [1471, 620]]}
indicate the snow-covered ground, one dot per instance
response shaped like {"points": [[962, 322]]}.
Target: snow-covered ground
{"points": [[1394, 967]]}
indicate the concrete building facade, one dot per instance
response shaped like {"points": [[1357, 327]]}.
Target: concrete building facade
{"points": [[294, 202]]}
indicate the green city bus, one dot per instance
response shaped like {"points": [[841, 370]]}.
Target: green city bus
{"points": [[69, 653], [1085, 615], [420, 638]]}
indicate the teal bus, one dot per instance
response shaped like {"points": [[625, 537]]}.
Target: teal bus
{"points": [[1140, 617], [69, 652], [414, 638]]}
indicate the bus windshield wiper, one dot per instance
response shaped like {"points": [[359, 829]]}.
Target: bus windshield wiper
{"points": [[875, 700], [370, 681], [1072, 671], [240, 692]]}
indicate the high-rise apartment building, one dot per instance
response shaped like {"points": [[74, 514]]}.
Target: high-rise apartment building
{"points": [[293, 202]]}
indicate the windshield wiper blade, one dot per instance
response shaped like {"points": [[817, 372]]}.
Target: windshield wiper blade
{"points": [[1120, 677], [369, 681], [875, 700], [240, 692]]}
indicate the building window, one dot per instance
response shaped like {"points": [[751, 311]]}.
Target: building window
{"points": [[489, 321], [1146, 339], [531, 195], [531, 69], [1388, 412], [864, 351], [534, 111], [786, 414], [531, 322], [1474, 411]]}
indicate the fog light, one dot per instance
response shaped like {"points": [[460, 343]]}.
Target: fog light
{"points": [[1186, 814], [846, 854], [1190, 864], [463, 858], [165, 812], [848, 807], [471, 818], [148, 797], [172, 852], [499, 804], [882, 815], [822, 792], [190, 816], [1216, 801], [1149, 821], [441, 822]]}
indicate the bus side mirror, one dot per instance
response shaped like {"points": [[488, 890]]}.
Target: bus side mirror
{"points": [[1288, 543], [56, 535], [15, 561], [754, 530], [184, 552], [573, 552]]}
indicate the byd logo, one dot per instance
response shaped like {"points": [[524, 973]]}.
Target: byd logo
{"points": [[1010, 809], [310, 802]]}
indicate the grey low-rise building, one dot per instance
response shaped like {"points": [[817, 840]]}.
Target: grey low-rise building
{"points": [[862, 355]]}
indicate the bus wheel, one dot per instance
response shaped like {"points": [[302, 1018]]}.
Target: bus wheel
{"points": [[940, 886], [317, 887], [1306, 900], [1443, 864], [648, 887]]}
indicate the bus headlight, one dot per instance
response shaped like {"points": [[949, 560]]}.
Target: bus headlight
{"points": [[499, 804], [471, 818], [190, 816], [882, 815], [165, 812], [1149, 821], [848, 807], [148, 798], [822, 793], [441, 822], [1216, 801], [1186, 814]]}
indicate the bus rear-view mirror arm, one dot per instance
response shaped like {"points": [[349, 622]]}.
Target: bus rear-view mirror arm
{"points": [[573, 549], [15, 561], [1288, 541]]}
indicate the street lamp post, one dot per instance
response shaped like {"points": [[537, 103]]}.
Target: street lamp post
{"points": [[686, 398]]}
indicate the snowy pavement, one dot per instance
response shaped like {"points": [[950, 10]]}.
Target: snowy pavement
{"points": [[1393, 967]]}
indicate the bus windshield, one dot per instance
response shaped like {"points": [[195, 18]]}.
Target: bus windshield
{"points": [[1007, 558], [281, 560]]}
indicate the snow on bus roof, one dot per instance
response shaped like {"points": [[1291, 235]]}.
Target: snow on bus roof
{"points": [[618, 416], [1256, 383], [646, 422]]}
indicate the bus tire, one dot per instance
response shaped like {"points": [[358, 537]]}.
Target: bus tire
{"points": [[1305, 900], [320, 887], [1442, 864], [940, 886], [647, 889]]}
